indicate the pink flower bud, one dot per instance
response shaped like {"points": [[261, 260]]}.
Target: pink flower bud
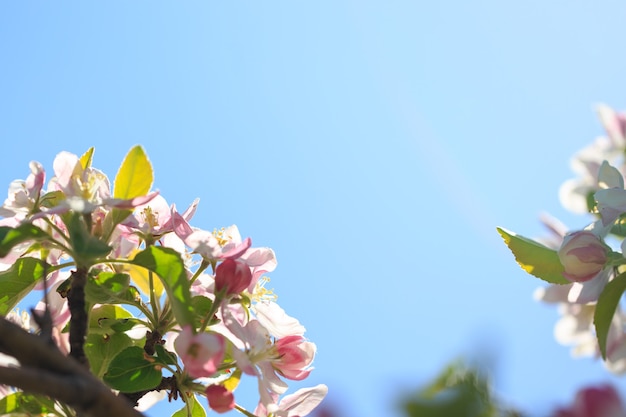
{"points": [[232, 276], [582, 255], [201, 353], [601, 401], [220, 399], [295, 355]]}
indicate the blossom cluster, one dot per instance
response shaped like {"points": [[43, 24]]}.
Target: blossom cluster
{"points": [[171, 301], [586, 268]]}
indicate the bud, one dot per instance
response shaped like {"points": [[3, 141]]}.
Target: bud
{"points": [[583, 256], [600, 401], [295, 357], [220, 399], [232, 277]]}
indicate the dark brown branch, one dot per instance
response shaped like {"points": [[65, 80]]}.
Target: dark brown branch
{"points": [[167, 383], [152, 339], [80, 320], [45, 370]]}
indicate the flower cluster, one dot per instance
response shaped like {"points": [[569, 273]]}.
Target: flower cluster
{"points": [[586, 268], [182, 310]]}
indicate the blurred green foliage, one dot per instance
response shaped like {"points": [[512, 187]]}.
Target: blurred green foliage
{"points": [[459, 391]]}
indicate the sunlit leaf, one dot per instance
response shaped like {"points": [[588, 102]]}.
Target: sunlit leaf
{"points": [[51, 199], [21, 403], [169, 267], [193, 406], [134, 177], [87, 158], [233, 380], [141, 278], [102, 316], [17, 281], [13, 236], [535, 258]]}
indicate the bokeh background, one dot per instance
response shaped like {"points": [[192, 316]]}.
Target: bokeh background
{"points": [[375, 146]]}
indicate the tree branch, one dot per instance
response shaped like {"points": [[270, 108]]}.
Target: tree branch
{"points": [[45, 370], [80, 320]]}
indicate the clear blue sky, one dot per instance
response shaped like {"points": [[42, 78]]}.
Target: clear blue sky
{"points": [[374, 145]]}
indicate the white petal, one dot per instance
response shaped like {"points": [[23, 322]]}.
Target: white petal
{"points": [[276, 321]]}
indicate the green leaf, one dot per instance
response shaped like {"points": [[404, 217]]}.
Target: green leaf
{"points": [[20, 403], [195, 409], [619, 228], [458, 391], [51, 199], [87, 158], [535, 258], [132, 370], [169, 266], [17, 281], [12, 236], [201, 306], [111, 288], [102, 317], [119, 215], [114, 217], [165, 356], [119, 325], [134, 178], [605, 309], [85, 246], [102, 348]]}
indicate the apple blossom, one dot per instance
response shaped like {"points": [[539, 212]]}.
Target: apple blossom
{"points": [[583, 255], [298, 404], [295, 355], [201, 353], [575, 194], [591, 320], [127, 247], [23, 195]]}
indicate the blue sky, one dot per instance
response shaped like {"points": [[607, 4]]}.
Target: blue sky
{"points": [[374, 145]]}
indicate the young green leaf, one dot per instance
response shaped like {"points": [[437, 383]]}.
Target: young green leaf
{"points": [[605, 309], [168, 265], [111, 318], [51, 199], [194, 408], [131, 371], [87, 158], [134, 177], [535, 258], [17, 281], [21, 403], [12, 236]]}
